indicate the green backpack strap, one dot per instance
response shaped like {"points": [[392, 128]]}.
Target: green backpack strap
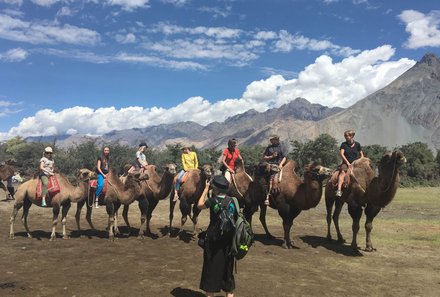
{"points": [[236, 204]]}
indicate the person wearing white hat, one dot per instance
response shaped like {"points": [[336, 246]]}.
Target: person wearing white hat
{"points": [[47, 167]]}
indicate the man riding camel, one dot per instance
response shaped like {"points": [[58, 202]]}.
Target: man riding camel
{"points": [[274, 155]]}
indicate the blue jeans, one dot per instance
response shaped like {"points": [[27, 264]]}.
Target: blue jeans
{"points": [[179, 179], [100, 184]]}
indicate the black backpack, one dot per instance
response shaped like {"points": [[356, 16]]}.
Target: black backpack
{"points": [[224, 226]]}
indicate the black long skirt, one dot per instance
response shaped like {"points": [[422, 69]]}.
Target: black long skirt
{"points": [[218, 267]]}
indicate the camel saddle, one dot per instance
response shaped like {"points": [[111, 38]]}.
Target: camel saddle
{"points": [[334, 179], [53, 187], [94, 184], [183, 179]]}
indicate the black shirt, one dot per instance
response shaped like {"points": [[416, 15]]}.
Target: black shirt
{"points": [[272, 149], [351, 151], [104, 165]]}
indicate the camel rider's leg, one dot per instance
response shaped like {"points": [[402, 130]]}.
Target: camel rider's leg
{"points": [[45, 182], [340, 182], [99, 187], [10, 187], [179, 178], [266, 202], [228, 176]]}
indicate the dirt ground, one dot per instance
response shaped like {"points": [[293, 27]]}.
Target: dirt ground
{"points": [[406, 263]]}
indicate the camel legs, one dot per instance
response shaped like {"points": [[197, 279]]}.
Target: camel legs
{"points": [[115, 224], [17, 207], [329, 201], [56, 212], [370, 212], [172, 205], [355, 211], [288, 214], [195, 218], [125, 215], [26, 205], [65, 210], [185, 210], [263, 209], [143, 207], [88, 215], [152, 203], [111, 219]]}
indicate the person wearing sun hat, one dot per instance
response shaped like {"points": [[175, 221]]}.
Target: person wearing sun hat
{"points": [[141, 160], [189, 161], [47, 167], [274, 155], [218, 261]]}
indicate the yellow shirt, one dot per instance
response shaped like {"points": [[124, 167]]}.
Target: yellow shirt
{"points": [[189, 161]]}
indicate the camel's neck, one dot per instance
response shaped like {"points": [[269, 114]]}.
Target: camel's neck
{"points": [[162, 189], [388, 184], [312, 192], [79, 192]]}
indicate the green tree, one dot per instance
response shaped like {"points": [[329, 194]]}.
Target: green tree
{"points": [[420, 160], [374, 152]]}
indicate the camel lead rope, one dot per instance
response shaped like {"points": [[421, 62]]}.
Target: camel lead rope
{"points": [[235, 185]]}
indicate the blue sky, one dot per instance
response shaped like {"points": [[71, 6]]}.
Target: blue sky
{"points": [[89, 67]]}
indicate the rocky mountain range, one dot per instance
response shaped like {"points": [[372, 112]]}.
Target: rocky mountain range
{"points": [[405, 111]]}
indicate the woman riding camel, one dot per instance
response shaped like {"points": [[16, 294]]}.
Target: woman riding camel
{"points": [[350, 151], [230, 155], [47, 167], [141, 160], [102, 168], [274, 155], [189, 161]]}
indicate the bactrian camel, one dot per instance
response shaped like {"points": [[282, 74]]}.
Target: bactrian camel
{"points": [[360, 178], [189, 194], [154, 189], [124, 193], [26, 196], [293, 196], [378, 194]]}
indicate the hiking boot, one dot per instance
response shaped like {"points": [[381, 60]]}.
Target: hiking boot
{"points": [[338, 193]]}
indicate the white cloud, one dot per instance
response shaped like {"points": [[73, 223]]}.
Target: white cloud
{"points": [[424, 29], [216, 32], [45, 3], [125, 58], [127, 38], [65, 11], [130, 5], [325, 82], [14, 55], [287, 42], [217, 12], [7, 108], [12, 2], [43, 32], [337, 84], [330, 1], [178, 3]]}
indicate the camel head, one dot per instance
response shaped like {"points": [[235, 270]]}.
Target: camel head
{"points": [[11, 162], [85, 174], [17, 178], [171, 168], [391, 161], [262, 169], [207, 170], [317, 171]]}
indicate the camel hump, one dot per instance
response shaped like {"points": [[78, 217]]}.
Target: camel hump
{"points": [[362, 162]]}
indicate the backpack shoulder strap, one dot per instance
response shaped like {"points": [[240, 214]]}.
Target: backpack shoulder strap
{"points": [[236, 204]]}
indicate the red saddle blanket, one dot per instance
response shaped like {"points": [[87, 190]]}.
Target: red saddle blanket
{"points": [[94, 184], [53, 187]]}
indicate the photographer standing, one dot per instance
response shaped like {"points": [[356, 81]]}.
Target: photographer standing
{"points": [[218, 262]]}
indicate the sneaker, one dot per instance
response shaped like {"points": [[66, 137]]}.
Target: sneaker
{"points": [[43, 203], [338, 193], [96, 204], [176, 196], [266, 202]]}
